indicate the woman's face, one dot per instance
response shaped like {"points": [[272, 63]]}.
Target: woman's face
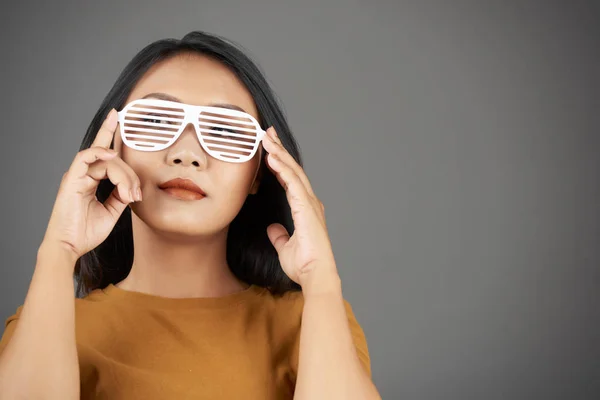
{"points": [[198, 80]]}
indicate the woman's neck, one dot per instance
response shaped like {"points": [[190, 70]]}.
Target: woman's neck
{"points": [[177, 267]]}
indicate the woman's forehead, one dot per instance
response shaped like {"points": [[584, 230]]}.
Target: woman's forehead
{"points": [[195, 79]]}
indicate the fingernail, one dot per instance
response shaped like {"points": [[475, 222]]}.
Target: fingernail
{"points": [[111, 118], [139, 194], [273, 133]]}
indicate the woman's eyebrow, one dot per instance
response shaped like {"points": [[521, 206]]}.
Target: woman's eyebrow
{"points": [[168, 97]]}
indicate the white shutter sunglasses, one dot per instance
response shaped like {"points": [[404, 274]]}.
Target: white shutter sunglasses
{"points": [[225, 134]]}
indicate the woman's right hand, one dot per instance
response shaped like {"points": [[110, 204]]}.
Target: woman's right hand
{"points": [[79, 222]]}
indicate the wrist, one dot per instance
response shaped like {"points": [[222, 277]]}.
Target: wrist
{"points": [[322, 279], [57, 255]]}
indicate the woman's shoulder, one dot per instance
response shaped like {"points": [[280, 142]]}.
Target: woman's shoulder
{"points": [[94, 296], [287, 314], [82, 308], [287, 308], [288, 297], [294, 299], [283, 306]]}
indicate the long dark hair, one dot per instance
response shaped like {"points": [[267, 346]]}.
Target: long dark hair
{"points": [[250, 254]]}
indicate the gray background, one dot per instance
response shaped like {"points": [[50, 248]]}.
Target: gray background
{"points": [[453, 143]]}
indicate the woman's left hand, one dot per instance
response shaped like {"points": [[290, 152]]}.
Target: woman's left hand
{"points": [[308, 251]]}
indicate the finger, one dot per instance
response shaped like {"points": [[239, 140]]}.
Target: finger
{"points": [[294, 188], [276, 148], [107, 131], [278, 236], [275, 172], [274, 136], [120, 174], [84, 158]]}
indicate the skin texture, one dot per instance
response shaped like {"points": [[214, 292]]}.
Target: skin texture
{"points": [[180, 245]]}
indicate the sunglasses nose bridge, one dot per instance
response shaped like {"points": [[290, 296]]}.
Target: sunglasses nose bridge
{"points": [[189, 119]]}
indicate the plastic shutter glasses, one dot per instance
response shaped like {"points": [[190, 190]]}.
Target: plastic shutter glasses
{"points": [[225, 134]]}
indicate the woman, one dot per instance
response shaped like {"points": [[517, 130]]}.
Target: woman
{"points": [[174, 219]]}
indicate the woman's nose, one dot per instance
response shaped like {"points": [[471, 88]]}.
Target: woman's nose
{"points": [[187, 150]]}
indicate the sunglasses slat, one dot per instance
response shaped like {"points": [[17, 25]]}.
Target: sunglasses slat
{"points": [[158, 110], [157, 131], [168, 126], [235, 128], [133, 135], [209, 132], [228, 119], [224, 140], [128, 117], [230, 148], [148, 144], [231, 156]]}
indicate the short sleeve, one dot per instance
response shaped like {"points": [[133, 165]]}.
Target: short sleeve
{"points": [[359, 338], [9, 327]]}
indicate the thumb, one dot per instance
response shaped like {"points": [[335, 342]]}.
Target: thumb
{"points": [[278, 236]]}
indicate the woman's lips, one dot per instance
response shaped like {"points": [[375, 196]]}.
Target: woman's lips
{"points": [[183, 194]]}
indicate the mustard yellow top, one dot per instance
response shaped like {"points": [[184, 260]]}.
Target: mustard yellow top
{"points": [[245, 345]]}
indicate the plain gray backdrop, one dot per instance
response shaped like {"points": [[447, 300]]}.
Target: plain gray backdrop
{"points": [[454, 145]]}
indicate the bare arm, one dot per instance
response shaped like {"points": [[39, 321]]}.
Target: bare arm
{"points": [[329, 367], [40, 361]]}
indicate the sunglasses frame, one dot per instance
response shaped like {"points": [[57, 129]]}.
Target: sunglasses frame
{"points": [[191, 117]]}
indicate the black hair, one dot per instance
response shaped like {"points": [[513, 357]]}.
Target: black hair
{"points": [[250, 255]]}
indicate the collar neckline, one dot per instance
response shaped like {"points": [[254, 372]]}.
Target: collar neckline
{"points": [[155, 301]]}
